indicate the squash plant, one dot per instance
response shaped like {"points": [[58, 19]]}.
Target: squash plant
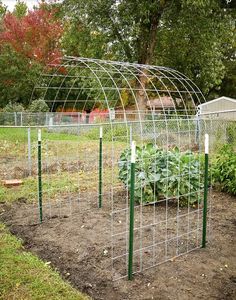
{"points": [[224, 169], [163, 174]]}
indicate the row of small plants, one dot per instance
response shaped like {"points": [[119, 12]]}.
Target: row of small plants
{"points": [[163, 174]]}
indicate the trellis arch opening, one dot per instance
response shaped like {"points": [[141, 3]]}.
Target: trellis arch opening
{"points": [[108, 105]]}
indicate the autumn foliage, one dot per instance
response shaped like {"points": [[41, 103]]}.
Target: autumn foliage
{"points": [[36, 36]]}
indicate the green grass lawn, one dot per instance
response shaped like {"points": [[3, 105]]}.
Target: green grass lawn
{"points": [[24, 276], [20, 135], [57, 185], [14, 143], [52, 185], [57, 149]]}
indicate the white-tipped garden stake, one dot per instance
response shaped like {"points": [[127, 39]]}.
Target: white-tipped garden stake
{"points": [[39, 135], [101, 132], [133, 152], [206, 143]]}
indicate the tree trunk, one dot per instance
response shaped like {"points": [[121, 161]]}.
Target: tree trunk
{"points": [[146, 44]]}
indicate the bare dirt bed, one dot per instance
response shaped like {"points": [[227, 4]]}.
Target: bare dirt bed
{"points": [[76, 249]]}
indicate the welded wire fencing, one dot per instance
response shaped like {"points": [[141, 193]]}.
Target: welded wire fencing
{"points": [[78, 177]]}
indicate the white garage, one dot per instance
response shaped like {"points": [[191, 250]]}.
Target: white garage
{"points": [[222, 108]]}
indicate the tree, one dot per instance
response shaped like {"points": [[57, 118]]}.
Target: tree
{"points": [[36, 35], [28, 42], [20, 9], [129, 26], [3, 10], [228, 86], [18, 79], [94, 43], [196, 42], [185, 34]]}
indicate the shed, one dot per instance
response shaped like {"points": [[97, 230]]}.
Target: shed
{"points": [[164, 103], [223, 108]]}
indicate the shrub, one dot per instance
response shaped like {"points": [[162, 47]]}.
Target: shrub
{"points": [[38, 106], [163, 174], [231, 133], [16, 107], [224, 169]]}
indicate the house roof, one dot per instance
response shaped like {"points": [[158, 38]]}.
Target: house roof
{"points": [[162, 102], [223, 98]]}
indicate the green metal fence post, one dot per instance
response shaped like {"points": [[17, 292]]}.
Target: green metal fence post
{"points": [[100, 169], [29, 153], [204, 228], [131, 218], [40, 176]]}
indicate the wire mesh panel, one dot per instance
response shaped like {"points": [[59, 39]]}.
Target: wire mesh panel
{"points": [[168, 194], [85, 154]]}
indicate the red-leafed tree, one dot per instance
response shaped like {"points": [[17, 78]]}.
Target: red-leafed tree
{"points": [[36, 36], [29, 40]]}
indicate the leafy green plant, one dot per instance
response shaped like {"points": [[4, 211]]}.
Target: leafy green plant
{"points": [[16, 107], [163, 174], [38, 106], [224, 169], [11, 113], [231, 132]]}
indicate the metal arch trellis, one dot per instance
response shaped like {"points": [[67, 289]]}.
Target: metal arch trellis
{"points": [[123, 69], [161, 230]]}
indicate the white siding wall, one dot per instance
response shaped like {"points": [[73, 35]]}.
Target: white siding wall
{"points": [[219, 106]]}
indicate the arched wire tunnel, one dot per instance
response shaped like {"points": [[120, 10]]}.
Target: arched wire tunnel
{"points": [[156, 107], [84, 84]]}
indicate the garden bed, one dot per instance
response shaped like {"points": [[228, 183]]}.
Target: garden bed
{"points": [[79, 247]]}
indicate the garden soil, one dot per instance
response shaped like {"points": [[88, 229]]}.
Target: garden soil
{"points": [[77, 246]]}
